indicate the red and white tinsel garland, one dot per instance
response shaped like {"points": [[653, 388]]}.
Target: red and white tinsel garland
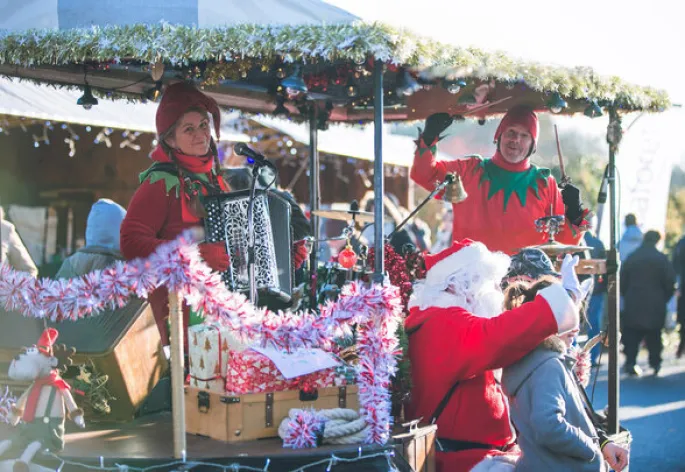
{"points": [[7, 401], [376, 310], [305, 429]]}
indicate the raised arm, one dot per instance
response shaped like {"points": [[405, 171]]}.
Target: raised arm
{"points": [[492, 343]]}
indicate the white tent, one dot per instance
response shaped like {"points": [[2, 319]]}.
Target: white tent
{"points": [[356, 142], [40, 102], [65, 14]]}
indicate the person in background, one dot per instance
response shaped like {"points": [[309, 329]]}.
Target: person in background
{"points": [[647, 284], [595, 311], [12, 249], [679, 266], [632, 237], [102, 247], [443, 237]]}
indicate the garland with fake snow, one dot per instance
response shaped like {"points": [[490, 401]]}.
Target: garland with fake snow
{"points": [[177, 265], [184, 45]]}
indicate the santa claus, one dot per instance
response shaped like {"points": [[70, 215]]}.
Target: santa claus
{"points": [[459, 336]]}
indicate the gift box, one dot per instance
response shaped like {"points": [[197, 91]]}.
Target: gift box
{"points": [[209, 346], [252, 372]]}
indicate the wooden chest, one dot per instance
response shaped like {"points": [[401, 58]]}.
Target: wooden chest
{"points": [[123, 344], [416, 443], [256, 415]]}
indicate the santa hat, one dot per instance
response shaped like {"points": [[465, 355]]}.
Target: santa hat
{"points": [[460, 254], [47, 340], [522, 115], [178, 98]]}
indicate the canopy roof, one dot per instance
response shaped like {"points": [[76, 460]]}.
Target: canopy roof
{"points": [[22, 100], [240, 59]]}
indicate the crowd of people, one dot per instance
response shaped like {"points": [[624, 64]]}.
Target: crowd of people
{"points": [[491, 324]]}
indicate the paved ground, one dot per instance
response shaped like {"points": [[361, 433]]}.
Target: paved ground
{"points": [[653, 409]]}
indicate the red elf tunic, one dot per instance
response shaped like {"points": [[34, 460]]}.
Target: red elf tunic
{"points": [[492, 213], [158, 212]]}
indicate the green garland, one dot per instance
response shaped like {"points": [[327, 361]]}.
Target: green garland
{"points": [[182, 46]]}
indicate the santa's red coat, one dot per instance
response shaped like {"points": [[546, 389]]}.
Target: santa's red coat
{"points": [[486, 219], [450, 344]]}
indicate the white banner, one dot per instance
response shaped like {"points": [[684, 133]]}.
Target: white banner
{"points": [[648, 151]]}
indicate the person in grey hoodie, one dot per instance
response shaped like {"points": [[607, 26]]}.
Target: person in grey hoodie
{"points": [[632, 237], [102, 241], [554, 430]]}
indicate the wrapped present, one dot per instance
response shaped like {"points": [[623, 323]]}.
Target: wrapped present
{"points": [[252, 372], [208, 349]]}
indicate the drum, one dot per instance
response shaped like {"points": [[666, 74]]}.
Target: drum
{"points": [[226, 221]]}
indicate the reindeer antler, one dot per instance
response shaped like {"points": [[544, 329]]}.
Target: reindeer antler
{"points": [[63, 354]]}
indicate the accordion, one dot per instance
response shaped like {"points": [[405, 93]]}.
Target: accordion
{"points": [[226, 221]]}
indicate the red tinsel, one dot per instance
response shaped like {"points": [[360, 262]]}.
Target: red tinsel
{"points": [[403, 271]]}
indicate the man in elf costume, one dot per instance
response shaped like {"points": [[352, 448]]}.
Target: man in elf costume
{"points": [[458, 337], [506, 193]]}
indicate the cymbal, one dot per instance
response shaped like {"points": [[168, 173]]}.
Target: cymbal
{"points": [[345, 215], [555, 249]]}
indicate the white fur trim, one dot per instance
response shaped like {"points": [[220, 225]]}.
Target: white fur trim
{"points": [[428, 298], [504, 463], [471, 254], [564, 310]]}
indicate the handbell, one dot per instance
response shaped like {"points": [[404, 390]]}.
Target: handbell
{"points": [[455, 192]]}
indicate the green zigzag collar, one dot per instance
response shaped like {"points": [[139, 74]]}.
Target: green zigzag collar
{"points": [[512, 182], [157, 172]]}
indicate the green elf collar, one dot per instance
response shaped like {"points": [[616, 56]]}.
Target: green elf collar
{"points": [[512, 182], [168, 173]]}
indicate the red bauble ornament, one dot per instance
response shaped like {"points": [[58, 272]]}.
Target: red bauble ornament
{"points": [[347, 258]]}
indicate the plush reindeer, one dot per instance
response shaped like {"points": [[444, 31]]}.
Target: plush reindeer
{"points": [[43, 406]]}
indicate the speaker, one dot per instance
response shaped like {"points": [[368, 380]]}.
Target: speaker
{"points": [[123, 344]]}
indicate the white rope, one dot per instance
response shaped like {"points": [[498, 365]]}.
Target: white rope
{"points": [[343, 426]]}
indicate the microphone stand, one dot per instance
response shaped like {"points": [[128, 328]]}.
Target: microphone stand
{"points": [[449, 179]]}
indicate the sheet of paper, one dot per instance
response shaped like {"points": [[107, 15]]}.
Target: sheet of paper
{"points": [[300, 362]]}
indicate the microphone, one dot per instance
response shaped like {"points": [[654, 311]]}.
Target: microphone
{"points": [[602, 199], [242, 149], [602, 196]]}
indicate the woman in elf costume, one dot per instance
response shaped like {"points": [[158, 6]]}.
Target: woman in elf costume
{"points": [[506, 193], [167, 201]]}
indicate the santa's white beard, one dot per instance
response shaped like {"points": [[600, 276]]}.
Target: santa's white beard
{"points": [[488, 303], [474, 287]]}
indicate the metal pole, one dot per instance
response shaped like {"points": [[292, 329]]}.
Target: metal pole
{"points": [[314, 196], [613, 137], [378, 174], [178, 406]]}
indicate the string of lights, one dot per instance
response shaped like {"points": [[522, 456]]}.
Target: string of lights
{"points": [[184, 464]]}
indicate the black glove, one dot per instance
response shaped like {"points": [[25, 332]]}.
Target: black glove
{"points": [[436, 124], [574, 208]]}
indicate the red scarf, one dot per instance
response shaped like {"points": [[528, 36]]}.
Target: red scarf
{"points": [[53, 380], [192, 165]]}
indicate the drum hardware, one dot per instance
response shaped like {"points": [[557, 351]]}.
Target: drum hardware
{"points": [[345, 215]]}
